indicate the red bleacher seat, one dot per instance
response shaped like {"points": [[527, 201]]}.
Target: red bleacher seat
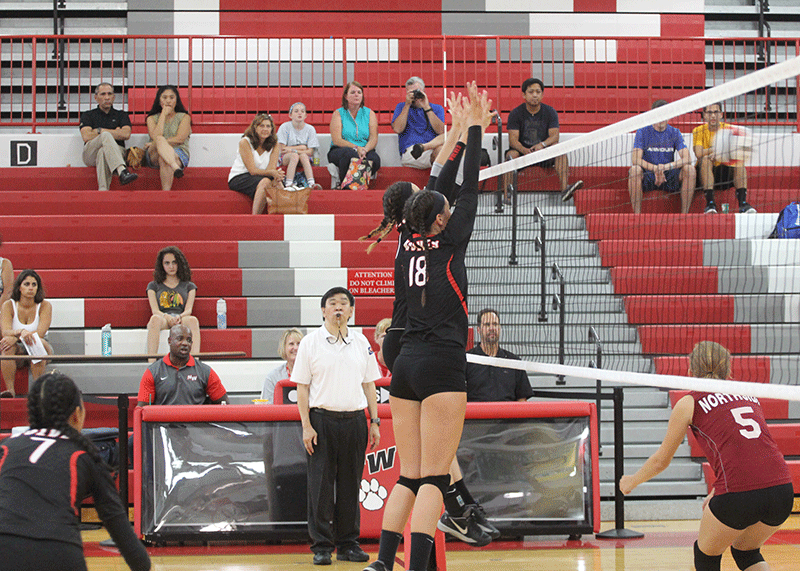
{"points": [[675, 309], [681, 339], [664, 280]]}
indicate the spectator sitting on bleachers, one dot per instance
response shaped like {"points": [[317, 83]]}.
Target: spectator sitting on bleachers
{"points": [[287, 350], [179, 378], [6, 277], [255, 168], [419, 126], [298, 142], [171, 296], [380, 333], [169, 125], [354, 132], [533, 126], [25, 319], [654, 165], [104, 131], [711, 173]]}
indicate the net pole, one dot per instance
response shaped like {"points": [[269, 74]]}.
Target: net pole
{"points": [[619, 532]]}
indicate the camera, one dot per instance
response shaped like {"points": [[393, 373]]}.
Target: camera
{"points": [[418, 94]]}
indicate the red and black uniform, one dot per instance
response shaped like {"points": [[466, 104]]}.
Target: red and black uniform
{"points": [[432, 356], [445, 184], [750, 469], [44, 478]]}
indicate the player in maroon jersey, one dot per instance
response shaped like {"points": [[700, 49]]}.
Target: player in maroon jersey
{"points": [[753, 492]]}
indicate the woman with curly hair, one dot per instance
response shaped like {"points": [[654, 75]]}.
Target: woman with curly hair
{"points": [[24, 317], [45, 474], [255, 172], [171, 296], [169, 126]]}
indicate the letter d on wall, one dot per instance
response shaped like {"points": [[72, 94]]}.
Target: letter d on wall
{"points": [[23, 153]]}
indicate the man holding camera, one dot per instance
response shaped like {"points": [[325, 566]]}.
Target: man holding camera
{"points": [[419, 125]]}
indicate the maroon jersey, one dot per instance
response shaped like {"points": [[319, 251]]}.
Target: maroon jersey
{"points": [[734, 436]]}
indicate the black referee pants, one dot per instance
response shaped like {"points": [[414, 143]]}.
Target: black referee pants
{"points": [[334, 479]]}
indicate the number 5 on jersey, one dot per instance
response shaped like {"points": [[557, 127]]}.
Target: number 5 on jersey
{"points": [[751, 428]]}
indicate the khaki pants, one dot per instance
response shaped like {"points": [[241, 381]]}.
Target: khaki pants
{"points": [[104, 153]]}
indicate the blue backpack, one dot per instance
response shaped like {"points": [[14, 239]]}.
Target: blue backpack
{"points": [[788, 225]]}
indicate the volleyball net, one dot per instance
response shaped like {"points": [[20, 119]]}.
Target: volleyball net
{"points": [[650, 285]]}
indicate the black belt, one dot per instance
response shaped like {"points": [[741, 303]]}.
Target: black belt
{"points": [[338, 413]]}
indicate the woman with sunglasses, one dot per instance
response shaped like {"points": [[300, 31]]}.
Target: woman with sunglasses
{"points": [[255, 170]]}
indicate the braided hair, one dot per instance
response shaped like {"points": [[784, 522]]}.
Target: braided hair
{"points": [[710, 360], [416, 214], [52, 399], [394, 199]]}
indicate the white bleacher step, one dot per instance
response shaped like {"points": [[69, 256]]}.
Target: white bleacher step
{"points": [[238, 376], [634, 432], [679, 469], [641, 510], [658, 488]]}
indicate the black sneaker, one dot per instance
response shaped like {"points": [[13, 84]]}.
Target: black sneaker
{"points": [[570, 190], [322, 558], [464, 528], [483, 522], [417, 150], [352, 554], [745, 208], [375, 566], [711, 208], [127, 177]]}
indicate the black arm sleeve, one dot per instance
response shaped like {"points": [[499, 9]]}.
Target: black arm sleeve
{"points": [[446, 182], [463, 219], [115, 518]]}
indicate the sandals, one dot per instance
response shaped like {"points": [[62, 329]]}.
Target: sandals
{"points": [[7, 395]]}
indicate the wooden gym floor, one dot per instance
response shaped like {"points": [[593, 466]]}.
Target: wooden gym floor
{"points": [[666, 546]]}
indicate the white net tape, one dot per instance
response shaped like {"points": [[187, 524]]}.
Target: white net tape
{"points": [[758, 390]]}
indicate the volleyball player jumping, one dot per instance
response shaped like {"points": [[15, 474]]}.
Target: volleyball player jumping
{"points": [[428, 391], [753, 492]]}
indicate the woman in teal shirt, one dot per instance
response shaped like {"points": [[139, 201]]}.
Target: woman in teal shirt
{"points": [[354, 131]]}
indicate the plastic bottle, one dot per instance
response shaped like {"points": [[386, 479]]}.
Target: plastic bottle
{"points": [[222, 314], [106, 339]]}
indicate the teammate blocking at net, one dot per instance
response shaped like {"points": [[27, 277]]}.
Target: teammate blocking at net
{"points": [[753, 492], [428, 391]]}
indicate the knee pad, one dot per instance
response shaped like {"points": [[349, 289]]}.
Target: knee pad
{"points": [[412, 484], [703, 562], [745, 559], [442, 482]]}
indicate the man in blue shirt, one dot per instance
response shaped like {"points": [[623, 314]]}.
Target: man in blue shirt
{"points": [[654, 165], [419, 125]]}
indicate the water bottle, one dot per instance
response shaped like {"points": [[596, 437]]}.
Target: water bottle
{"points": [[316, 159], [222, 314], [106, 339]]}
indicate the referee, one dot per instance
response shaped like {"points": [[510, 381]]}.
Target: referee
{"points": [[335, 372]]}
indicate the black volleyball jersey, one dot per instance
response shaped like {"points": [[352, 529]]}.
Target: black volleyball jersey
{"points": [[44, 478], [443, 320], [446, 184]]}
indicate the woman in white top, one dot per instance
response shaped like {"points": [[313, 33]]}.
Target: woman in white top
{"points": [[25, 314], [287, 349], [255, 170], [6, 278]]}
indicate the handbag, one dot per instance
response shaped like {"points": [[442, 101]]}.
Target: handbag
{"points": [[289, 201], [359, 173], [134, 157]]}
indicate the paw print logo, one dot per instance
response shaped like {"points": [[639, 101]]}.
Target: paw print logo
{"points": [[372, 495]]}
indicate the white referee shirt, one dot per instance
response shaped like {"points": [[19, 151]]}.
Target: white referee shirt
{"points": [[335, 370]]}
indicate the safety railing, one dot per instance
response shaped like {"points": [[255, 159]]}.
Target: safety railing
{"points": [[223, 81]]}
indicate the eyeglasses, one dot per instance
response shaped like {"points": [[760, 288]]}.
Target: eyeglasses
{"points": [[266, 115]]}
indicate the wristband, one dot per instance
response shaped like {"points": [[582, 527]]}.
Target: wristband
{"points": [[375, 421], [544, 145], [428, 109]]}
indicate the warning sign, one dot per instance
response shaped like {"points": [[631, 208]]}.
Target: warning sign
{"points": [[370, 282]]}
